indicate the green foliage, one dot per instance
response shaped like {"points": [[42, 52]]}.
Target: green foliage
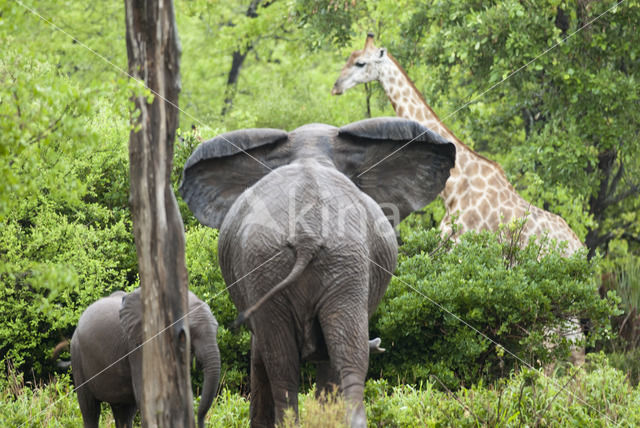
{"points": [[627, 284], [600, 396], [623, 277], [628, 362], [52, 271], [66, 240], [65, 232], [40, 405], [329, 22], [229, 410], [597, 396], [518, 298], [38, 134]]}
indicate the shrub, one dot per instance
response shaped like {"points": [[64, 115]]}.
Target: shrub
{"points": [[50, 273], [518, 298], [65, 232], [598, 396], [628, 362]]}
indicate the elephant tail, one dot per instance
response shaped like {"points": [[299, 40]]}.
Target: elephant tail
{"points": [[61, 364], [302, 261]]}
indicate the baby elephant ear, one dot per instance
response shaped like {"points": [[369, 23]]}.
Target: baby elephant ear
{"points": [[220, 169], [399, 163], [131, 317]]}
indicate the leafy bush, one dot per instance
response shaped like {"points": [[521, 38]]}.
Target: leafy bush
{"points": [[66, 240], [628, 362], [599, 396], [624, 278], [519, 298], [50, 273]]}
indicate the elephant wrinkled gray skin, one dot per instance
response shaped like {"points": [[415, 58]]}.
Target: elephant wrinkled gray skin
{"points": [[304, 244], [112, 327]]}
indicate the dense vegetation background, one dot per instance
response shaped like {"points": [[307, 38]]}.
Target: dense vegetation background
{"points": [[565, 128]]}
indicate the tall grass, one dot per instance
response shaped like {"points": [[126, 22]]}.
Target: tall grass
{"points": [[328, 412], [53, 404], [628, 283], [624, 347], [596, 396]]}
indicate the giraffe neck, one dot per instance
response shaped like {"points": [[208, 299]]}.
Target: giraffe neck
{"points": [[477, 188], [409, 103]]}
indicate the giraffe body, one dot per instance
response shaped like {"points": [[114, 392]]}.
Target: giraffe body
{"points": [[477, 192]]}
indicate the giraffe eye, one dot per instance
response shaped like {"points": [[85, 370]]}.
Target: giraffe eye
{"points": [[360, 64]]}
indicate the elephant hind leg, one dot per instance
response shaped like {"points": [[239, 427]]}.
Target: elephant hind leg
{"points": [[279, 353], [261, 405], [345, 330], [327, 379], [123, 414], [89, 407]]}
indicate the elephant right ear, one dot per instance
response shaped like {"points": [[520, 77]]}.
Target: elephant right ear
{"points": [[398, 162], [220, 169], [131, 317]]}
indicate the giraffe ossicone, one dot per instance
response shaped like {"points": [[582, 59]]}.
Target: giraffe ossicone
{"points": [[478, 192]]}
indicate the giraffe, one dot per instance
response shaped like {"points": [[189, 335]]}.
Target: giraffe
{"points": [[477, 190]]}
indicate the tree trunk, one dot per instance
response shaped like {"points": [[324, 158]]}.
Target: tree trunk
{"points": [[600, 201], [153, 50], [237, 60], [232, 79]]}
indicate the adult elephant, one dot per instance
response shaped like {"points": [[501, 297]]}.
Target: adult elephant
{"points": [[107, 333], [304, 245]]}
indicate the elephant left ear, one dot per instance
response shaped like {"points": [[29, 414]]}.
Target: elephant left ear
{"points": [[222, 168], [399, 163], [131, 317]]}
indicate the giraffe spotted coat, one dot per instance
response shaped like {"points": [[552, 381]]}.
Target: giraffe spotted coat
{"points": [[477, 192]]}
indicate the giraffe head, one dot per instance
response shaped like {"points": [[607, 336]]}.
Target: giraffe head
{"points": [[361, 67]]}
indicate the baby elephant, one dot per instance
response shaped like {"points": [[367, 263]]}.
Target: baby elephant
{"points": [[107, 331]]}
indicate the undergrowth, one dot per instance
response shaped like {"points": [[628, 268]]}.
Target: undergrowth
{"points": [[597, 395]]}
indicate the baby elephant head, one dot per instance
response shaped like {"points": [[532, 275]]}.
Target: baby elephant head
{"points": [[203, 330]]}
